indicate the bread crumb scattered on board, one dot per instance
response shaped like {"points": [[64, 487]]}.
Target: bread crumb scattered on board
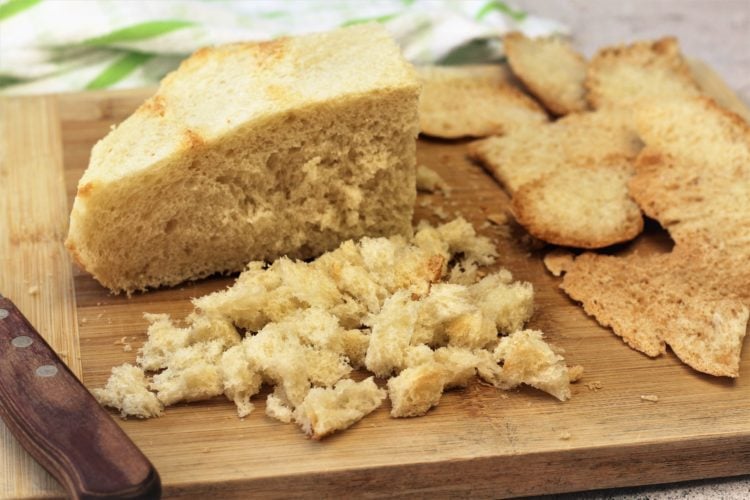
{"points": [[596, 385], [430, 181], [126, 346], [33, 290], [441, 213], [565, 436], [575, 373], [497, 218], [557, 261], [650, 397]]}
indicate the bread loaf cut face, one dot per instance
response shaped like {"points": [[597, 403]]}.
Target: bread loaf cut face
{"points": [[252, 151]]}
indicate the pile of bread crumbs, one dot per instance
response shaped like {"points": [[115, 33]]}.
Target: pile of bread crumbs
{"points": [[412, 313]]}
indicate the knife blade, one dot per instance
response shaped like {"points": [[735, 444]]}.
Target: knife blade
{"points": [[58, 421]]}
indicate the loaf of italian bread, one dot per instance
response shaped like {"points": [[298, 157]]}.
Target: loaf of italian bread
{"points": [[252, 151]]}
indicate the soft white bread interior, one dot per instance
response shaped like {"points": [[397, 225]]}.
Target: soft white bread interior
{"points": [[251, 151]]}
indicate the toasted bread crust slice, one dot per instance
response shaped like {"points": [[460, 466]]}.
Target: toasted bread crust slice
{"points": [[626, 74], [551, 69], [583, 207], [473, 101]]}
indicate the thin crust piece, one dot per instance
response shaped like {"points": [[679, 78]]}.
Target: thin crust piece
{"points": [[577, 139], [658, 300], [580, 207], [473, 101], [569, 178], [693, 178], [550, 69], [624, 75]]}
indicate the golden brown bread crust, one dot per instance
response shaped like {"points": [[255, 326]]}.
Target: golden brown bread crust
{"points": [[473, 101], [562, 92], [659, 300], [603, 214], [615, 75]]}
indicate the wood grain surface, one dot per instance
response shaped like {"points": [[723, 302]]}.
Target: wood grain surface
{"points": [[478, 441]]}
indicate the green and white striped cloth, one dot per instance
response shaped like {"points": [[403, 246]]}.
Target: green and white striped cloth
{"points": [[64, 45]]}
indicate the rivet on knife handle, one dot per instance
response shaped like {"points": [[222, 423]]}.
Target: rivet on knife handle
{"points": [[60, 423]]}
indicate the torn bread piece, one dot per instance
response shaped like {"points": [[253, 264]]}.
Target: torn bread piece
{"points": [[470, 101], [551, 69], [577, 139], [415, 390], [278, 408], [527, 359], [506, 303], [457, 316], [165, 338], [628, 74], [391, 332], [327, 410], [583, 207], [192, 374], [523, 357], [127, 390], [241, 380], [298, 352]]}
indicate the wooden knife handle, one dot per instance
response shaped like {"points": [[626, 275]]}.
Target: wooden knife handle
{"points": [[61, 424]]}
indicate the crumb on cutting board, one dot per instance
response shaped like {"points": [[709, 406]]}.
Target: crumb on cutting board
{"points": [[575, 373], [430, 181], [650, 397], [596, 385], [441, 213]]}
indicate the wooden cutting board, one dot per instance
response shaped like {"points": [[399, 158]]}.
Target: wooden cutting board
{"points": [[478, 441]]}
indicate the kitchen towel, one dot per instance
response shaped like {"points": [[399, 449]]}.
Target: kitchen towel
{"points": [[65, 45]]}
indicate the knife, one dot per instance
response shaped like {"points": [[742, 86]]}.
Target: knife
{"points": [[60, 423]]}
